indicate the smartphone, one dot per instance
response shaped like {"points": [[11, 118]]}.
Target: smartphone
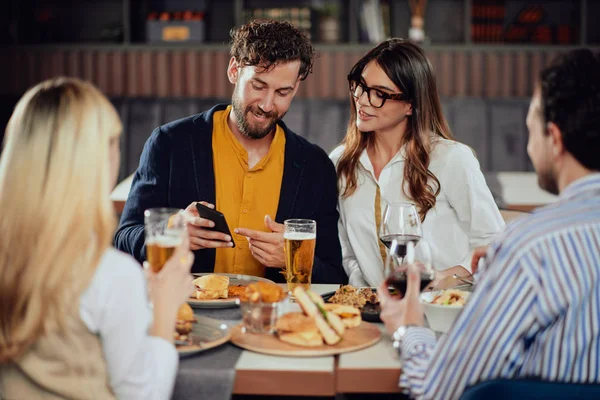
{"points": [[217, 217]]}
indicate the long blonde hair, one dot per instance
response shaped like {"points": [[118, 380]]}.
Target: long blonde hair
{"points": [[56, 219], [406, 65]]}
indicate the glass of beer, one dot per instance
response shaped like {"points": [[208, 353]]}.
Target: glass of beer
{"points": [[300, 237], [164, 228]]}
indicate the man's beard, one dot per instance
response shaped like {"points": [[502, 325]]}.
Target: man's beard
{"points": [[548, 181], [242, 121]]}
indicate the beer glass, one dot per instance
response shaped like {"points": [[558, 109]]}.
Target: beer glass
{"points": [[164, 228], [300, 237]]}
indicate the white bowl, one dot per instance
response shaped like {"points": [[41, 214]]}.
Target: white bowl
{"points": [[440, 318]]}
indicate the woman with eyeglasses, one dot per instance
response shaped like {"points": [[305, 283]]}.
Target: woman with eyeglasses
{"points": [[399, 148]]}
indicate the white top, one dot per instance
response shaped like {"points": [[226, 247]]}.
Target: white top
{"points": [[465, 215], [116, 307]]}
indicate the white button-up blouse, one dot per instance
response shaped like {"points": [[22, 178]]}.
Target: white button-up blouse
{"points": [[465, 215]]}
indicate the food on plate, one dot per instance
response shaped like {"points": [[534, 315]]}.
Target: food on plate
{"points": [[184, 322], [350, 296], [263, 292], [369, 295], [235, 290], [350, 315], [451, 297], [298, 329], [211, 287], [317, 323]]}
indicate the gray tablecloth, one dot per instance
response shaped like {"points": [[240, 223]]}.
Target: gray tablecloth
{"points": [[209, 375]]}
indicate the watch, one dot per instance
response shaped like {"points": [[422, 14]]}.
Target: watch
{"points": [[398, 335]]}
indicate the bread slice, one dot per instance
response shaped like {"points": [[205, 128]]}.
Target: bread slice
{"points": [[342, 310], [352, 322], [304, 339], [299, 329], [334, 320], [211, 287], [350, 315], [311, 309], [295, 322]]}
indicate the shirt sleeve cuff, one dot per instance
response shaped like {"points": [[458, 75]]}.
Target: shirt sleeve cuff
{"points": [[416, 339]]}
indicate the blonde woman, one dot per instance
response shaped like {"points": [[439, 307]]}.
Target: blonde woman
{"points": [[74, 314]]}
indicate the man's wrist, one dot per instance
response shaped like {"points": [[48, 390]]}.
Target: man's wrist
{"points": [[398, 335]]}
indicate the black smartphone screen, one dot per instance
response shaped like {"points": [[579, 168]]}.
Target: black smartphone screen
{"points": [[215, 216]]}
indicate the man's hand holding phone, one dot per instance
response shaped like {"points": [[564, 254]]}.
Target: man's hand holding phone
{"points": [[202, 232]]}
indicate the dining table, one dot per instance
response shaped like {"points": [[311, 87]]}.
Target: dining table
{"points": [[228, 370]]}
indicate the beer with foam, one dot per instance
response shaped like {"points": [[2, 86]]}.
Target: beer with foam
{"points": [[300, 239]]}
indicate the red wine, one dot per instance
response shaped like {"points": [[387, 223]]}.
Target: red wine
{"points": [[398, 280], [402, 242]]}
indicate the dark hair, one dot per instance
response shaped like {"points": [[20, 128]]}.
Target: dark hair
{"points": [[571, 99], [267, 43], [406, 65]]}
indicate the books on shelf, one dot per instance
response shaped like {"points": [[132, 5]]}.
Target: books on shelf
{"points": [[487, 21], [512, 21]]}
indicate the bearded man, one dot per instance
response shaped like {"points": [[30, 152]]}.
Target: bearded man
{"points": [[243, 160]]}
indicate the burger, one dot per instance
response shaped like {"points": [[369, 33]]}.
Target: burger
{"points": [[350, 315], [184, 323], [298, 329], [318, 323]]}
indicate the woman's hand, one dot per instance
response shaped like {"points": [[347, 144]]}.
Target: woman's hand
{"points": [[478, 253], [397, 312]]}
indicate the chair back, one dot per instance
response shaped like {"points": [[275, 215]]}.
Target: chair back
{"points": [[525, 389]]}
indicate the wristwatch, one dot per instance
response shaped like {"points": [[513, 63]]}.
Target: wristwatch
{"points": [[398, 335]]}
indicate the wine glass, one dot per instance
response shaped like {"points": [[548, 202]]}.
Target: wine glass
{"points": [[401, 222], [396, 272]]}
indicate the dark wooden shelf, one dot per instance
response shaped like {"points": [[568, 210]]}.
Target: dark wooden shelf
{"points": [[348, 47], [140, 70]]}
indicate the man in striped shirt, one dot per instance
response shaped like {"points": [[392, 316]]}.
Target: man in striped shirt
{"points": [[535, 311]]}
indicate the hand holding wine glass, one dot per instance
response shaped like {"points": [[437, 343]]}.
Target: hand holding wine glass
{"points": [[418, 255]]}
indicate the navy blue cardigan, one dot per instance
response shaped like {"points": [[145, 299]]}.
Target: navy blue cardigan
{"points": [[176, 169]]}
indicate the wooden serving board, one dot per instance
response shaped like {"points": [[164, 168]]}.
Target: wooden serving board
{"points": [[364, 335]]}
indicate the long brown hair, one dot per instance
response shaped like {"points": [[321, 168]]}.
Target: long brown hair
{"points": [[406, 65], [57, 219]]}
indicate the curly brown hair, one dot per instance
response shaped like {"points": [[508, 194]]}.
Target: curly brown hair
{"points": [[267, 43]]}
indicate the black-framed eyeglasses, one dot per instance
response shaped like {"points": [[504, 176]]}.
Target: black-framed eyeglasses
{"points": [[377, 98]]}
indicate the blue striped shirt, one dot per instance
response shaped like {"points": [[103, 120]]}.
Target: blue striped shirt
{"points": [[534, 313]]}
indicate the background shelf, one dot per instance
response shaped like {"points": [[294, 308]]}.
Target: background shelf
{"points": [[446, 21]]}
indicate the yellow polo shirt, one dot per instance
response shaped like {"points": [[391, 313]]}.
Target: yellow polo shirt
{"points": [[244, 195]]}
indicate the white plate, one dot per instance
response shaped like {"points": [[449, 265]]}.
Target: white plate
{"points": [[206, 334], [234, 279]]}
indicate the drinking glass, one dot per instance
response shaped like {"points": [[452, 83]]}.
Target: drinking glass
{"points": [[400, 222], [164, 228], [300, 237], [396, 271]]}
